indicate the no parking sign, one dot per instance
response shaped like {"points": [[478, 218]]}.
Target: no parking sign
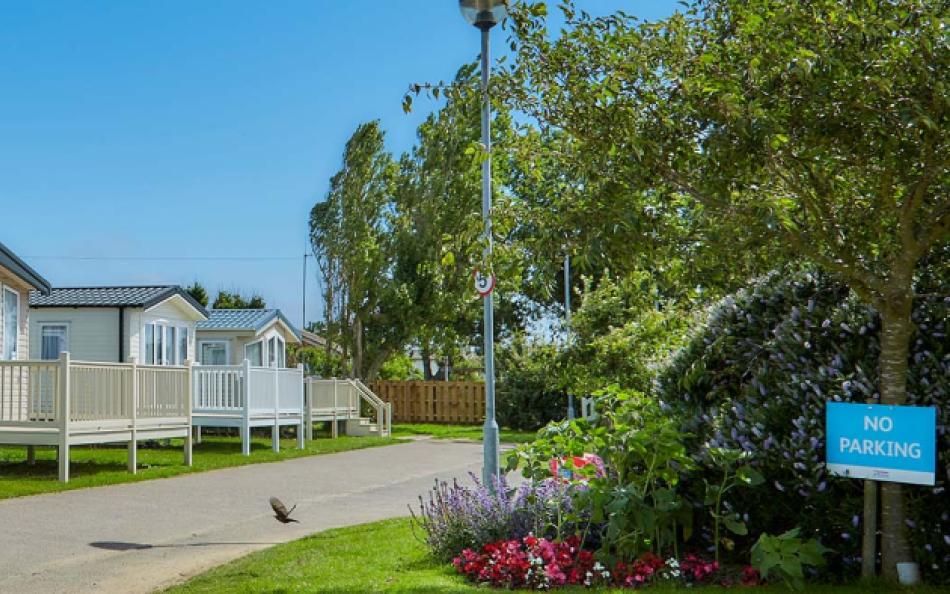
{"points": [[882, 443]]}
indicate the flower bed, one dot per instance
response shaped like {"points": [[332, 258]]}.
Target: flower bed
{"points": [[541, 564]]}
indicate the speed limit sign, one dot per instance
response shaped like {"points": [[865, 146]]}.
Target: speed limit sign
{"points": [[484, 285]]}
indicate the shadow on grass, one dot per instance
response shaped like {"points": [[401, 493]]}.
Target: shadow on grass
{"points": [[49, 469]]}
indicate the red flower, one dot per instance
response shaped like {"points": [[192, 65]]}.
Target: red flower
{"points": [[750, 576]]}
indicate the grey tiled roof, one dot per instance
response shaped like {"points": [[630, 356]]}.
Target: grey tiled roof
{"points": [[145, 296], [243, 319]]}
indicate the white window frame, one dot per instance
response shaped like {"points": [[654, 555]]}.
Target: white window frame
{"points": [[66, 325], [227, 350], [168, 355], [182, 332], [263, 350], [3, 320], [278, 351]]}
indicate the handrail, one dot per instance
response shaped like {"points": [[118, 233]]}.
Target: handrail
{"points": [[382, 408], [384, 412]]}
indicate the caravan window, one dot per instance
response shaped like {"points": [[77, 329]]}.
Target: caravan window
{"points": [[54, 339]]}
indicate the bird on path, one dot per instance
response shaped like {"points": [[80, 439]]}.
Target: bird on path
{"points": [[281, 513]]}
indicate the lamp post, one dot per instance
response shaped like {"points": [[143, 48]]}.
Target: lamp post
{"points": [[567, 322], [485, 14]]}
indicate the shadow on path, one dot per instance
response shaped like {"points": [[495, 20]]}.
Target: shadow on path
{"points": [[113, 545]]}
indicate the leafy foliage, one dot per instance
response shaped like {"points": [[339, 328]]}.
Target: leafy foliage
{"points": [[819, 128], [235, 300], [399, 367], [317, 360], [786, 555], [529, 396], [637, 507], [622, 333], [198, 292], [756, 376]]}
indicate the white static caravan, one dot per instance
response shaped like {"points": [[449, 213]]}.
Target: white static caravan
{"points": [[229, 336], [61, 402], [17, 279], [154, 325], [242, 379]]}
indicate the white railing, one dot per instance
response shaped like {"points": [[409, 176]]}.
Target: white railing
{"points": [[342, 399], [219, 387], [39, 392], [30, 392], [226, 389]]}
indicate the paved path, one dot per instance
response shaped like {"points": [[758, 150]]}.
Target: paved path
{"points": [[142, 536]]}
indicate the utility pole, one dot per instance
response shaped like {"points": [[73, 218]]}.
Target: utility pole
{"points": [[303, 318]]}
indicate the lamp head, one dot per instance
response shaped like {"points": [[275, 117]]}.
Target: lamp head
{"points": [[484, 14]]}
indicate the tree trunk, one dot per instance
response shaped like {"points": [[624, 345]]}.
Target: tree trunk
{"points": [[896, 330], [426, 362], [357, 347], [328, 310], [376, 364]]}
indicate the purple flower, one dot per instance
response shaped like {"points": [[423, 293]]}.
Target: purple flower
{"points": [[856, 521], [845, 536], [779, 486]]}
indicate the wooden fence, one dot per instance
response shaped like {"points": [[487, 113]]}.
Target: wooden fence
{"points": [[433, 402]]}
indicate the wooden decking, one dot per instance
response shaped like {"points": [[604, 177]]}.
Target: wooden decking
{"points": [[344, 400], [65, 403], [242, 396]]}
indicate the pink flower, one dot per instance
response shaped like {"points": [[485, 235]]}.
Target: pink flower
{"points": [[554, 573]]}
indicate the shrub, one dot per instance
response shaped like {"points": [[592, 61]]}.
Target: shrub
{"points": [[454, 517], [623, 333], [636, 506], [317, 361], [528, 392], [756, 377], [399, 367]]}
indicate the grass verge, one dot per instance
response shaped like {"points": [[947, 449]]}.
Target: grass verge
{"points": [[386, 557], [459, 432], [106, 465]]}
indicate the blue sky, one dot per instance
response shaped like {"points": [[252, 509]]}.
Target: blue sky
{"points": [[184, 129]]}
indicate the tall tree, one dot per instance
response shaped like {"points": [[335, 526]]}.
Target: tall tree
{"points": [[437, 224], [820, 125], [348, 232]]}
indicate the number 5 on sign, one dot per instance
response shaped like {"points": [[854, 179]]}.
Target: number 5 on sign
{"points": [[484, 285]]}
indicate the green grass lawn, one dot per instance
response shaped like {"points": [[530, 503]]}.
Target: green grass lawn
{"points": [[385, 557], [459, 432], [106, 465]]}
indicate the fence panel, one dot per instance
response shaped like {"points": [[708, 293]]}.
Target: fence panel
{"points": [[289, 389], [29, 391], [163, 392], [100, 391], [263, 388], [433, 402], [219, 388]]}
